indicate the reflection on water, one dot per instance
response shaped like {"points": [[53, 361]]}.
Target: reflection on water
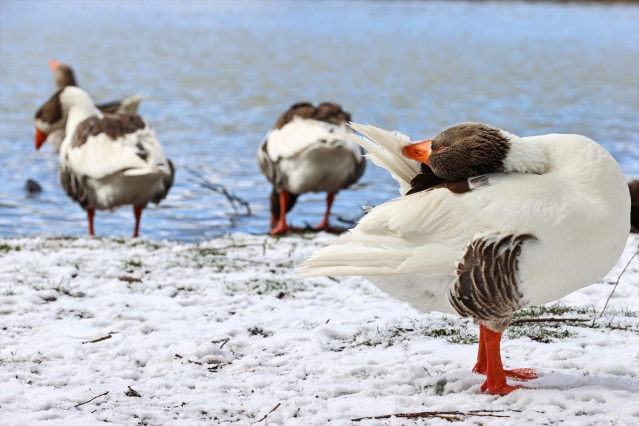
{"points": [[215, 76]]}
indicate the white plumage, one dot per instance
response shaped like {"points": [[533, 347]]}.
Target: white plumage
{"points": [[566, 191], [106, 160], [308, 150]]}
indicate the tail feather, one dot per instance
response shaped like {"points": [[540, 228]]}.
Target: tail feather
{"points": [[131, 104], [384, 150]]}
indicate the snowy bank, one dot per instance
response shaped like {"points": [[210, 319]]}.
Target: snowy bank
{"points": [[138, 332]]}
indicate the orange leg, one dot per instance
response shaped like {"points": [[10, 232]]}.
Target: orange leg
{"points": [[329, 203], [90, 214], [281, 226], [480, 367], [521, 374], [495, 374], [137, 212]]}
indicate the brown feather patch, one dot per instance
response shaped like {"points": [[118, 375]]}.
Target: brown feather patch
{"points": [[51, 111], [326, 111], [113, 125], [487, 288]]}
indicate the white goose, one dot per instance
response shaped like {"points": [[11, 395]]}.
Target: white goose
{"points": [[503, 223], [308, 150], [106, 160]]}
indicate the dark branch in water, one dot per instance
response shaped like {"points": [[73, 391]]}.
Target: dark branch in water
{"points": [[233, 199]]}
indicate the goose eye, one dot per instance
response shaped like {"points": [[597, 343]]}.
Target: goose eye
{"points": [[441, 148]]}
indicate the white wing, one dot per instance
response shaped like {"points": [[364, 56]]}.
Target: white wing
{"points": [[136, 153], [427, 232]]}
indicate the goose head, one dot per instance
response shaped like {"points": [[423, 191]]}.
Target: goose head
{"points": [[464, 150], [49, 118], [63, 74], [53, 114]]}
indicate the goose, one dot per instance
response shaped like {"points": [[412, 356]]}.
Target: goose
{"points": [[106, 160], [486, 223], [308, 150], [64, 76]]}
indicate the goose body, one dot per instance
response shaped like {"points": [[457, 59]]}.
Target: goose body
{"points": [[308, 150], [106, 160], [551, 216]]}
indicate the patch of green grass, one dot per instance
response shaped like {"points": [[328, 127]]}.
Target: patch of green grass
{"points": [[62, 286], [63, 238], [6, 248], [209, 252], [454, 333], [554, 310], [626, 312], [209, 258], [563, 323], [131, 263], [258, 331], [278, 287], [541, 332], [565, 320]]}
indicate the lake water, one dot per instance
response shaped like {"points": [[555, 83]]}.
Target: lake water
{"points": [[215, 76]]}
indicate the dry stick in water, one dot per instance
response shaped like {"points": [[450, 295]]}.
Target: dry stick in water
{"points": [[220, 189]]}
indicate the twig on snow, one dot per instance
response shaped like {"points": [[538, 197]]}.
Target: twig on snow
{"points": [[132, 392], [451, 416], [233, 199], [266, 415], [615, 287], [95, 397], [222, 341], [525, 320], [99, 339]]}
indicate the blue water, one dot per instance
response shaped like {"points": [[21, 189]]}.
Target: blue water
{"points": [[215, 76]]}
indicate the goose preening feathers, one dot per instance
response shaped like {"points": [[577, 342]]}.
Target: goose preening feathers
{"points": [[487, 223], [106, 160], [64, 76], [308, 150]]}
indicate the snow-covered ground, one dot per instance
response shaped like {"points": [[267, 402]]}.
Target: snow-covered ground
{"points": [[138, 332]]}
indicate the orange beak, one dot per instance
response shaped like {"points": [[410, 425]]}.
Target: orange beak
{"points": [[40, 137], [53, 64], [419, 151]]}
